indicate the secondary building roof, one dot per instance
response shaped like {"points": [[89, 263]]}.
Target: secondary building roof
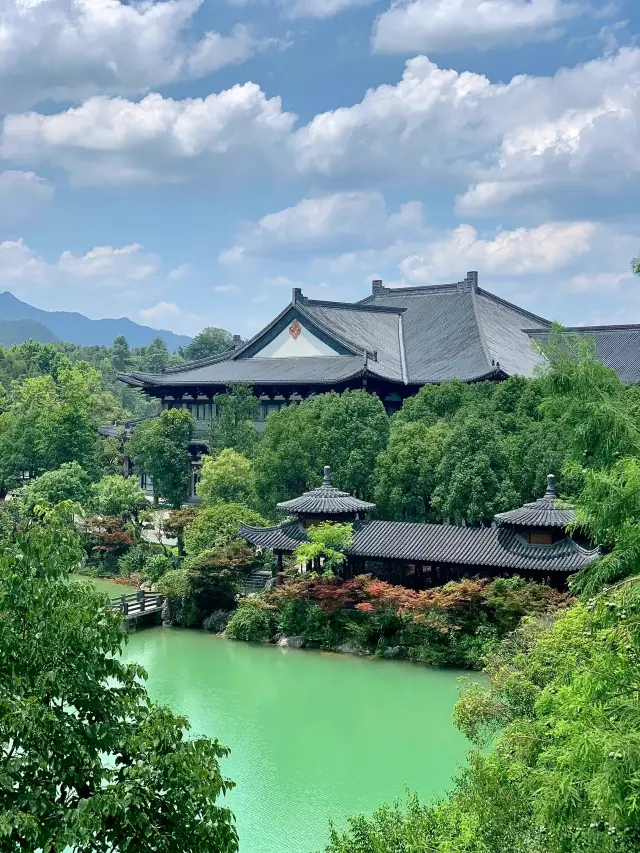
{"points": [[547, 511], [437, 544], [325, 500]]}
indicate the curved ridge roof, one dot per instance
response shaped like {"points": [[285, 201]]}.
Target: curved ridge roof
{"points": [[477, 547], [547, 511], [325, 500]]}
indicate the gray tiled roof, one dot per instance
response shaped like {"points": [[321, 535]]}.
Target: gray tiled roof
{"points": [[493, 547], [618, 347], [325, 500], [437, 544], [419, 335], [281, 537], [321, 370], [547, 511]]}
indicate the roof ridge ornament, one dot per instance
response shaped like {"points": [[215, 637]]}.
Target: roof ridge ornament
{"points": [[551, 486], [326, 479]]}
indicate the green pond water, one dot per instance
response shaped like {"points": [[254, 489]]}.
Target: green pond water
{"points": [[313, 736]]}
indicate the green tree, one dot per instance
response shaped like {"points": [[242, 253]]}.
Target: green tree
{"points": [[69, 482], [70, 427], [117, 495], [593, 408], [89, 763], [209, 342], [635, 265], [156, 356], [176, 522], [217, 526], [233, 425], [287, 459], [436, 402], [160, 448], [346, 431], [33, 404], [561, 714], [9, 466], [406, 471], [353, 429], [472, 476], [227, 477], [327, 547], [120, 354]]}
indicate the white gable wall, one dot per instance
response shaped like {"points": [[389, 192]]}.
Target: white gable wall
{"points": [[286, 346]]}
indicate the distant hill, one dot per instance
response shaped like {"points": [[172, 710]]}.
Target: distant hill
{"points": [[18, 331], [78, 329]]}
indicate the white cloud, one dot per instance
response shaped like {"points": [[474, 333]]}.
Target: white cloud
{"points": [[578, 129], [169, 315], [227, 288], [104, 269], [318, 8], [522, 251], [411, 26], [22, 195], [73, 49], [315, 224], [159, 312], [601, 282], [113, 140], [178, 273]]}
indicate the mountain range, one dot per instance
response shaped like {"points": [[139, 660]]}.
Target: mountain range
{"points": [[49, 326]]}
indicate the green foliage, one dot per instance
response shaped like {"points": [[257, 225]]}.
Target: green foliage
{"points": [[227, 477], [175, 523], [233, 427], [174, 584], [472, 476], [117, 495], [252, 622], [88, 761], [346, 431], [215, 527], [609, 508], [328, 546], [160, 449], [209, 342], [214, 579], [589, 402], [561, 709], [406, 473], [69, 482], [156, 566]]}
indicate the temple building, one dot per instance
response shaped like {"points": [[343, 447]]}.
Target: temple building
{"points": [[531, 541], [391, 343]]}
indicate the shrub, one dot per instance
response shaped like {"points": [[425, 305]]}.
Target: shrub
{"points": [[117, 495], [174, 584], [157, 566], [69, 482], [253, 622], [227, 478], [217, 526]]}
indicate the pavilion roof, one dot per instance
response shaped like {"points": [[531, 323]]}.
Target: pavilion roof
{"points": [[437, 544], [325, 500], [547, 511]]}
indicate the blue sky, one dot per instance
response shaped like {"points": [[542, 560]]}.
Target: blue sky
{"points": [[186, 163]]}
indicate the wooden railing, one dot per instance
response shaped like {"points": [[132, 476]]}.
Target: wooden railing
{"points": [[136, 603]]}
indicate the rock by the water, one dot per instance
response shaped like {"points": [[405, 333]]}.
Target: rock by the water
{"points": [[165, 614], [349, 649], [217, 621], [291, 642], [393, 652]]}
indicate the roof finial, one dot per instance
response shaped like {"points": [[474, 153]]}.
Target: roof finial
{"points": [[326, 480], [551, 485]]}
